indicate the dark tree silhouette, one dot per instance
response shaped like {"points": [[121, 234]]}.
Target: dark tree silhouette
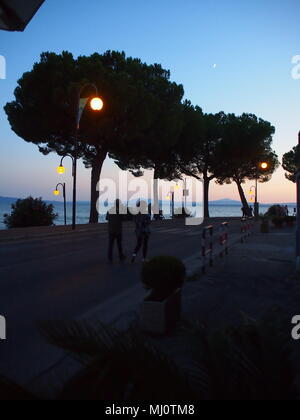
{"points": [[246, 142], [197, 150], [290, 163], [45, 107]]}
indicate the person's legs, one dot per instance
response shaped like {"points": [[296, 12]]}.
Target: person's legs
{"points": [[112, 239], [120, 246], [138, 247], [145, 248], [139, 244]]}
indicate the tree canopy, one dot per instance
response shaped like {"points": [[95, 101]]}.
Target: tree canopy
{"points": [[139, 103], [247, 142], [144, 124], [290, 163]]}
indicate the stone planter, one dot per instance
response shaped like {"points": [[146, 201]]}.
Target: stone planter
{"points": [[265, 227], [160, 317]]}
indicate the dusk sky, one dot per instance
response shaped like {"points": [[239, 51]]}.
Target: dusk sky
{"points": [[232, 56]]}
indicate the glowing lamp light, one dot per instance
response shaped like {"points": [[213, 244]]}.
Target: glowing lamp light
{"points": [[61, 170], [264, 165], [97, 104], [56, 193]]}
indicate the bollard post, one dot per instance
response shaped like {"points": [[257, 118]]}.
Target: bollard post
{"points": [[242, 230], [207, 248], [224, 234], [226, 239]]}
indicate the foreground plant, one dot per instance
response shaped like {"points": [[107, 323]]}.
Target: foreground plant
{"points": [[248, 362]]}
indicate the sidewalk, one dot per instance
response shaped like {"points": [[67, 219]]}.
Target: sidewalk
{"points": [[252, 279]]}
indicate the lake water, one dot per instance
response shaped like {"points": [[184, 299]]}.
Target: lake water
{"points": [[84, 208]]}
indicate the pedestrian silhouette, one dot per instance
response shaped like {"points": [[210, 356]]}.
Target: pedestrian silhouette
{"points": [[142, 229], [287, 212], [115, 218]]}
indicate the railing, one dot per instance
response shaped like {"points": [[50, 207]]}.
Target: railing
{"points": [[247, 227], [207, 247], [224, 238]]}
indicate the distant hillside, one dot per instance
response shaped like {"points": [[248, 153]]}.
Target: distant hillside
{"points": [[225, 202], [4, 200]]}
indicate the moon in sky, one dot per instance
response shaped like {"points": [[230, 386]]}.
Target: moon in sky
{"points": [[215, 66]]}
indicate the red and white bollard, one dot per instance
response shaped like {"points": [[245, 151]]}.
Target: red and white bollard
{"points": [[207, 247], [224, 237]]}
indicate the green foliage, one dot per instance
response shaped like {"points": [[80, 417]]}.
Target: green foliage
{"points": [[251, 361], [138, 126], [30, 212], [117, 365], [163, 275], [290, 163], [226, 147], [248, 362]]}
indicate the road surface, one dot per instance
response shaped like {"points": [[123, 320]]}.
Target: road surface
{"points": [[64, 277]]}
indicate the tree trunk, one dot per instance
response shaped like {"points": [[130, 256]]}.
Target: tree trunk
{"points": [[96, 173], [206, 196], [155, 205], [243, 197]]}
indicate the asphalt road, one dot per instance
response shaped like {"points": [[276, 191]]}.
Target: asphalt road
{"points": [[65, 277]]}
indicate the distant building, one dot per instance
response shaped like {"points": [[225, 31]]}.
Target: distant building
{"points": [[16, 14]]}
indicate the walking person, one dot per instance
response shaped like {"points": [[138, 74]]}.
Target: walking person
{"points": [[115, 220], [287, 212], [142, 230], [251, 212]]}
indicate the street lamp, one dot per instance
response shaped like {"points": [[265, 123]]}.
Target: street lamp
{"points": [[96, 104], [56, 192], [263, 166]]}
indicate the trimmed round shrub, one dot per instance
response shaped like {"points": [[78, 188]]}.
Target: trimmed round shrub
{"points": [[163, 275], [30, 212]]}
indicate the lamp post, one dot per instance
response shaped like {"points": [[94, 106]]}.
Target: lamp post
{"points": [[96, 105], [264, 166], [171, 197], [56, 192]]}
